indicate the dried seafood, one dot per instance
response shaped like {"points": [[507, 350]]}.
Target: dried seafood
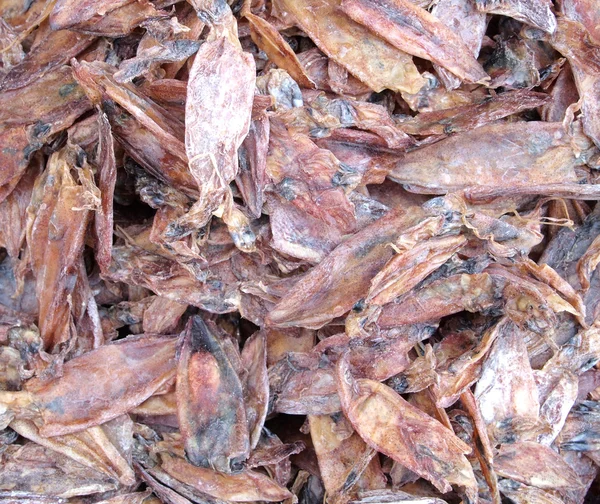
{"points": [[339, 251]]}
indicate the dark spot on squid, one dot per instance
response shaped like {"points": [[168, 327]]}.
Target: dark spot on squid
{"points": [[40, 129], [336, 417], [285, 189], [175, 230], [56, 406], [81, 158], [244, 239], [399, 383], [29, 150], [319, 132], [237, 465], [359, 306], [67, 89]]}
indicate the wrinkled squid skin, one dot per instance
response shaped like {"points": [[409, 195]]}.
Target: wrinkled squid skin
{"points": [[210, 404]]}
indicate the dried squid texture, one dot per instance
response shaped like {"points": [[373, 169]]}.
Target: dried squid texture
{"points": [[147, 132], [351, 45], [256, 384], [299, 385], [51, 49], [41, 473], [107, 169], [91, 447], [506, 393], [394, 427], [210, 402], [267, 38], [57, 220], [564, 254], [29, 116], [252, 177], [468, 117], [344, 276], [359, 114], [114, 18], [458, 372], [558, 380], [471, 292], [168, 51], [581, 429], [390, 496], [536, 13], [536, 465], [12, 50], [299, 234], [304, 383], [407, 268], [87, 395], [526, 494], [585, 12], [346, 463], [247, 486], [496, 155], [216, 292], [417, 32], [303, 174], [218, 110], [13, 214], [573, 41], [470, 24]]}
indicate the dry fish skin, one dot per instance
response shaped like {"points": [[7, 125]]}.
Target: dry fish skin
{"points": [[403, 432], [417, 32], [143, 365], [370, 59], [505, 154], [210, 402]]}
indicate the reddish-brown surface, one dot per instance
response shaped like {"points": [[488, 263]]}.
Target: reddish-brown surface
{"points": [[299, 251]]}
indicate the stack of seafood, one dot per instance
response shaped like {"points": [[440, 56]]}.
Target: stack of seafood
{"points": [[299, 251]]}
